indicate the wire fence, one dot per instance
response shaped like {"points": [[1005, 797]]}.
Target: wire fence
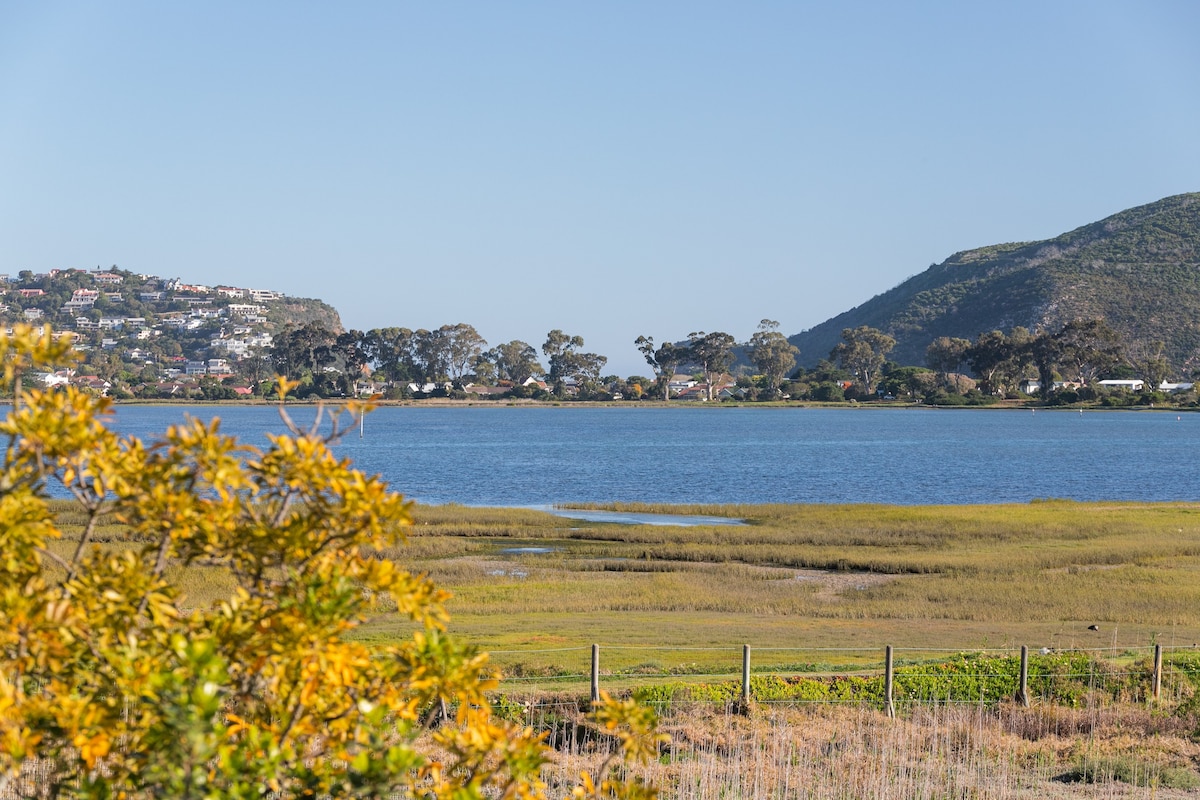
{"points": [[885, 677]]}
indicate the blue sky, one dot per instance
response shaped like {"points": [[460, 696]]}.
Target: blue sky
{"points": [[611, 169]]}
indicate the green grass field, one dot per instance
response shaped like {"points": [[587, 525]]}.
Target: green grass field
{"points": [[828, 586]]}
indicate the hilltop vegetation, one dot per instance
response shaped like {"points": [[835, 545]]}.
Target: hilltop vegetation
{"points": [[1138, 270]]}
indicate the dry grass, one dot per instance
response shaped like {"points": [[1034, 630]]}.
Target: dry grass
{"points": [[937, 752]]}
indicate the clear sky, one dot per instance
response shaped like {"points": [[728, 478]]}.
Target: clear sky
{"points": [[608, 168]]}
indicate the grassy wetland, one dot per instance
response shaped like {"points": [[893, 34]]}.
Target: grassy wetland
{"points": [[817, 591], [813, 582]]}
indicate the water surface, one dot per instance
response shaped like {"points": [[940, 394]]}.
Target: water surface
{"points": [[530, 456]]}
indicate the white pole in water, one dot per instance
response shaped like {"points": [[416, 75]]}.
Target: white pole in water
{"points": [[361, 417]]}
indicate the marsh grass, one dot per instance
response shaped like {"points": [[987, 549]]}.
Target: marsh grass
{"points": [[797, 582], [801, 580], [936, 751]]}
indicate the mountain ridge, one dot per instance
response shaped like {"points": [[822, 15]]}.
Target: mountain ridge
{"points": [[1138, 269]]}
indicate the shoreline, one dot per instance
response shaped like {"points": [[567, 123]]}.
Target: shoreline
{"points": [[445, 402]]}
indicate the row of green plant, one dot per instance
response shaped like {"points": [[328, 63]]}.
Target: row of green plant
{"points": [[1068, 679]]}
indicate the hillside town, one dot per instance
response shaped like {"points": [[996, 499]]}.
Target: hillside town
{"points": [[150, 337]]}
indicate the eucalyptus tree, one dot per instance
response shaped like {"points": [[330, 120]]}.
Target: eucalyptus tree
{"points": [[664, 360], [1150, 364], [567, 360], [863, 352], [944, 356], [772, 354], [515, 361], [462, 346], [1044, 353], [1088, 349], [428, 355], [1000, 361], [302, 350], [713, 353], [389, 351]]}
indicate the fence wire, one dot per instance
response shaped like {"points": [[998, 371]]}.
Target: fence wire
{"points": [[918, 674]]}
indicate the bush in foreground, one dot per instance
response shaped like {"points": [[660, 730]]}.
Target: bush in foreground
{"points": [[111, 685]]}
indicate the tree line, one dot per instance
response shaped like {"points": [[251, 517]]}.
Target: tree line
{"points": [[328, 363], [1066, 364], [455, 356]]}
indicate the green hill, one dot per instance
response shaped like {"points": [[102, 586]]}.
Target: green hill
{"points": [[1138, 270]]}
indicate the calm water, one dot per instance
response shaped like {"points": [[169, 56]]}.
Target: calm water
{"points": [[537, 456]]}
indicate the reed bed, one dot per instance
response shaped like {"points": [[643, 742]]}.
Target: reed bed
{"points": [[831, 753]]}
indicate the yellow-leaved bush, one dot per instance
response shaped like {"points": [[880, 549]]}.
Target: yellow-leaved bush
{"points": [[113, 685]]}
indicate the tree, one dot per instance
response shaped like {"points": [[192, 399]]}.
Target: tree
{"points": [[944, 356], [1000, 362], [389, 352], [566, 360], [428, 355], [911, 382], [1044, 353], [463, 346], [515, 361], [772, 354], [863, 352], [299, 351], [1151, 365], [1088, 349], [255, 366], [713, 353], [113, 682], [560, 349], [1082, 349], [664, 360]]}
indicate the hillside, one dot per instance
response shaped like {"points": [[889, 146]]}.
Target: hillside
{"points": [[1139, 270], [137, 329]]}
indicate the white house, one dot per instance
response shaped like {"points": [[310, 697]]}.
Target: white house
{"points": [[1132, 385], [49, 379]]}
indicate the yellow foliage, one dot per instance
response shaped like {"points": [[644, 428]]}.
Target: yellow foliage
{"points": [[115, 684]]}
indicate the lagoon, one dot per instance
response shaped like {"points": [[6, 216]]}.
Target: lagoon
{"points": [[545, 455]]}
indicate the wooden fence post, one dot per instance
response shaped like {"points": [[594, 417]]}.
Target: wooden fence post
{"points": [[1023, 693], [595, 672], [1156, 680], [887, 681], [745, 676]]}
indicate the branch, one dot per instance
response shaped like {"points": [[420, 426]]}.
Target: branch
{"points": [[88, 530], [57, 559], [160, 565]]}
